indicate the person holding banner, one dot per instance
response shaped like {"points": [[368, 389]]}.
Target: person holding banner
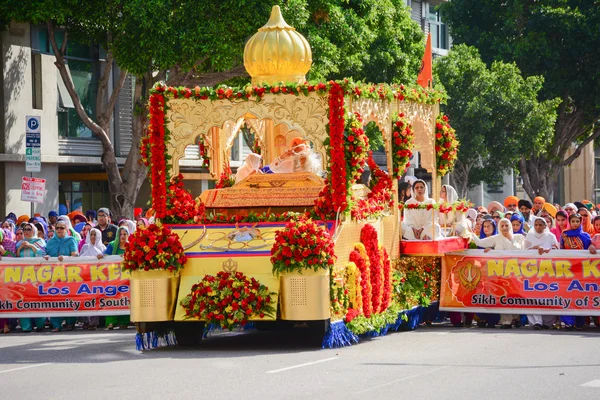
{"points": [[542, 240], [117, 247], [575, 238], [61, 245], [31, 246], [505, 240], [420, 224]]}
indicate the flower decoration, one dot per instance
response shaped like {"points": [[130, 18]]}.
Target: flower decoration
{"points": [[323, 209], [226, 179], [387, 279], [228, 299], [360, 258], [302, 244], [338, 295], [337, 153], [154, 248], [379, 197], [368, 237], [356, 145], [446, 145], [181, 206], [403, 140], [416, 280], [353, 284], [444, 208], [204, 152], [158, 136]]}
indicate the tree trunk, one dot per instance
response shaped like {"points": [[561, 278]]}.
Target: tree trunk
{"points": [[123, 188], [460, 178]]}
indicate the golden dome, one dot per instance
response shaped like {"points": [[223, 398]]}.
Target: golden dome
{"points": [[277, 53]]}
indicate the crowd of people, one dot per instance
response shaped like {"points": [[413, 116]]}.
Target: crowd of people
{"points": [[92, 234], [518, 224]]}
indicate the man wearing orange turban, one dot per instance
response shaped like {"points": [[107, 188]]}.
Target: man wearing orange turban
{"points": [[511, 203], [538, 203]]}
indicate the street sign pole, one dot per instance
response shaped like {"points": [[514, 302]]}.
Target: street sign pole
{"points": [[33, 151]]}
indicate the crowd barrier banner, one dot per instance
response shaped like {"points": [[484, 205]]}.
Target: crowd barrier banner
{"points": [[561, 282], [79, 286]]}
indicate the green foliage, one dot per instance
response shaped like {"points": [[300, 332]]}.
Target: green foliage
{"points": [[495, 112], [557, 40], [360, 324], [375, 136]]}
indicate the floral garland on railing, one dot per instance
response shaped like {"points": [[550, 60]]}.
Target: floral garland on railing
{"points": [[403, 140], [444, 208], [228, 299], [158, 136], [446, 145], [413, 93], [218, 218]]}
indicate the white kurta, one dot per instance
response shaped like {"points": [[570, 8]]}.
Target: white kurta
{"points": [[420, 219], [545, 240], [500, 242]]}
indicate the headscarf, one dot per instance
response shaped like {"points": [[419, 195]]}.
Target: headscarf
{"points": [[115, 243], [90, 249], [70, 230], [588, 226], [40, 244], [500, 214], [144, 220], [251, 165], [550, 209], [77, 216], [570, 205], [575, 239], [426, 189], [471, 213], [131, 226], [545, 239], [510, 231], [494, 206], [57, 245], [482, 233], [451, 195], [518, 217], [541, 199], [511, 200], [43, 224]]}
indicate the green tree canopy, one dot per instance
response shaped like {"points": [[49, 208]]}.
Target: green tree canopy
{"points": [[554, 39], [495, 112], [186, 42]]}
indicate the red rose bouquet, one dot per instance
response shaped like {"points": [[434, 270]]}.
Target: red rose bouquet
{"points": [[446, 145], [181, 206], [403, 140], [228, 299], [154, 248], [302, 244]]}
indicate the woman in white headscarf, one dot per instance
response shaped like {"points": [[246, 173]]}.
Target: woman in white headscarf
{"points": [[452, 223], [93, 246], [129, 224], [420, 224], [251, 166], [504, 240], [541, 239], [70, 230]]}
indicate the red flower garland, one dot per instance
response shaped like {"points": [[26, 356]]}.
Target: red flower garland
{"points": [[226, 179], [387, 281], [403, 140], [356, 147], [368, 237], [362, 263], [182, 208], [158, 166], [324, 204], [337, 160], [446, 145]]}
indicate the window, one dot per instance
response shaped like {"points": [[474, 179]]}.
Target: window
{"points": [[36, 81], [89, 195], [439, 30], [84, 66]]}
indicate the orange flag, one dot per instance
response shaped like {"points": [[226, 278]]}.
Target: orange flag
{"points": [[426, 74]]}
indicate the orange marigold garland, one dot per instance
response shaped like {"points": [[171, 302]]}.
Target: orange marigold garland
{"points": [[403, 140], [368, 237], [446, 145]]}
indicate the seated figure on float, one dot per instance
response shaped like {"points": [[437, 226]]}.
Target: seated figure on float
{"points": [[420, 224], [251, 166], [452, 223], [299, 158]]}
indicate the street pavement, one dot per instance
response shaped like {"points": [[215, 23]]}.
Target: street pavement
{"points": [[436, 362]]}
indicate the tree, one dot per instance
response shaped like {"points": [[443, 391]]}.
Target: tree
{"points": [[188, 43], [557, 40], [495, 112]]}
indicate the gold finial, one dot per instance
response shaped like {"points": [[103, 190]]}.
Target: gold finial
{"points": [[277, 53]]}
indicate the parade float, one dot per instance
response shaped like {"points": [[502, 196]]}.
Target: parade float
{"points": [[310, 244]]}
